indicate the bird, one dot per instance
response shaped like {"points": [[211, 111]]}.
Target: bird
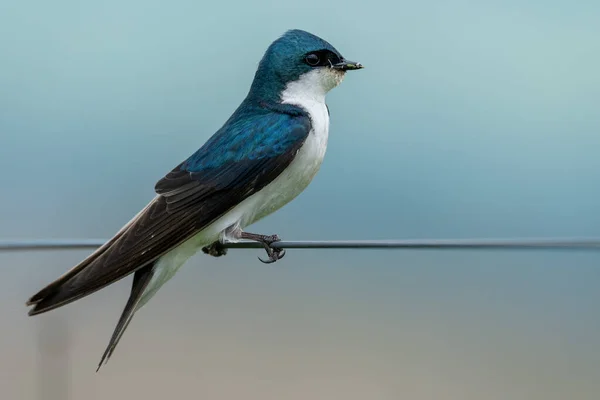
{"points": [[262, 157]]}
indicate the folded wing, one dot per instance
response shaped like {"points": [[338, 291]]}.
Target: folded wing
{"points": [[239, 160]]}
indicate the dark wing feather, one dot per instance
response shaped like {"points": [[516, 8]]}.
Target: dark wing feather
{"points": [[245, 155]]}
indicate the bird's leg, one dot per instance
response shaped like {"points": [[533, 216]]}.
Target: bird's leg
{"points": [[235, 232], [215, 249], [266, 240]]}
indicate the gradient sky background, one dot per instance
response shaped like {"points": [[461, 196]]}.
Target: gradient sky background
{"points": [[471, 119]]}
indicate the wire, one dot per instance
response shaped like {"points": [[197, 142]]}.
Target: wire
{"points": [[514, 244]]}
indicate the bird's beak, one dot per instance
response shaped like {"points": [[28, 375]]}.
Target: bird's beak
{"points": [[346, 65]]}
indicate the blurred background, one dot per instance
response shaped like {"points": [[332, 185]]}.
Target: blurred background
{"points": [[471, 119]]}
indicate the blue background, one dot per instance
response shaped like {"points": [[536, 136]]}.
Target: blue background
{"points": [[471, 119]]}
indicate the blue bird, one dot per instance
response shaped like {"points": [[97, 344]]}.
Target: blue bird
{"points": [[264, 156]]}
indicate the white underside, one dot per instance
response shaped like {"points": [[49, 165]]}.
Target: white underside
{"points": [[289, 184]]}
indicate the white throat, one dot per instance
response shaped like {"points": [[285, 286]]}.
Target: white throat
{"points": [[308, 92], [312, 86]]}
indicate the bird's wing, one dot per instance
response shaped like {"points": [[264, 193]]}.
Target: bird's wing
{"points": [[239, 160]]}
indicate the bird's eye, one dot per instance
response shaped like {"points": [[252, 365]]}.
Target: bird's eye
{"points": [[312, 59]]}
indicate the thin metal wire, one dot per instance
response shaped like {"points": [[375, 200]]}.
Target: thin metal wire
{"points": [[440, 244]]}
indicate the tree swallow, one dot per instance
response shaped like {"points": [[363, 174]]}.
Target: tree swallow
{"points": [[264, 156]]}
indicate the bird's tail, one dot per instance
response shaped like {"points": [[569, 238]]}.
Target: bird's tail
{"points": [[146, 282], [141, 279]]}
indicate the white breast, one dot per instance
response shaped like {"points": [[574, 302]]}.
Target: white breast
{"points": [[307, 162], [308, 92]]}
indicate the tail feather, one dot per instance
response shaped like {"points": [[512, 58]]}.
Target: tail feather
{"points": [[141, 279]]}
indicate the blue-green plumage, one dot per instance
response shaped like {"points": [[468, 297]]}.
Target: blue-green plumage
{"points": [[247, 153], [253, 132], [282, 63], [262, 127]]}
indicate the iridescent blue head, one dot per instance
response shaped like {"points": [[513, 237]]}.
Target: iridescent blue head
{"points": [[299, 56]]}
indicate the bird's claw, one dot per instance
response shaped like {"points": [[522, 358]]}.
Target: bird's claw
{"points": [[273, 253]]}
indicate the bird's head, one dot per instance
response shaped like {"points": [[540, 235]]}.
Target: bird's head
{"points": [[300, 58]]}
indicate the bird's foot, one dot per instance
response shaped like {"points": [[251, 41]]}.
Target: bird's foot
{"points": [[216, 249], [274, 253]]}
